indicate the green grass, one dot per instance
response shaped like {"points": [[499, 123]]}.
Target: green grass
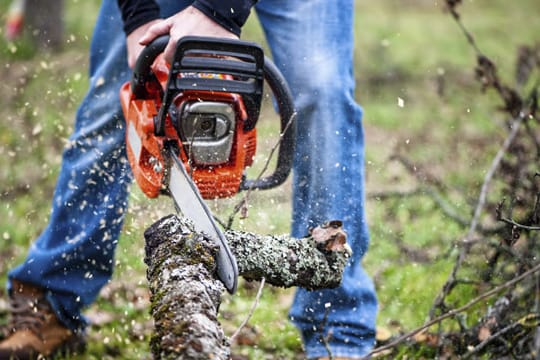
{"points": [[408, 50]]}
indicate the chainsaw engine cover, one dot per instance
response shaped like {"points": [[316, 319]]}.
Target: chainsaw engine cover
{"points": [[216, 147], [208, 130]]}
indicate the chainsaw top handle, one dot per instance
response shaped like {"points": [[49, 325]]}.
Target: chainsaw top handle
{"points": [[246, 63], [142, 72]]}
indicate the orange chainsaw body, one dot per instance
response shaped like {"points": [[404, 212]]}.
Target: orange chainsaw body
{"points": [[190, 127], [145, 149]]}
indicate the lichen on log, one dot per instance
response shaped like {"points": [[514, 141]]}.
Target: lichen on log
{"points": [[314, 262]]}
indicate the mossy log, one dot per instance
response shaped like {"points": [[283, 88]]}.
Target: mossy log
{"points": [[313, 262], [186, 293]]}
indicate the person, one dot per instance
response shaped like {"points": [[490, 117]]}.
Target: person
{"points": [[312, 44]]}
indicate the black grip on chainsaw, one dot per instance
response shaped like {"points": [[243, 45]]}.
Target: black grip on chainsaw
{"points": [[287, 115], [142, 70]]}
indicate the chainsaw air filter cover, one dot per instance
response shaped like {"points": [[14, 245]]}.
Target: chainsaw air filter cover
{"points": [[207, 129]]}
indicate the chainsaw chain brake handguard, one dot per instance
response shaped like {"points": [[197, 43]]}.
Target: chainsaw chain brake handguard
{"points": [[242, 69]]}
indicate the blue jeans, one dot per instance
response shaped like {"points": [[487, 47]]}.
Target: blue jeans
{"points": [[312, 44]]}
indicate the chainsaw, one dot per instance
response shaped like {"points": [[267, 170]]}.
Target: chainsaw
{"points": [[191, 127]]}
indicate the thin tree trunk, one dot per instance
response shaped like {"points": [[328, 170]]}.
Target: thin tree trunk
{"points": [[44, 21], [186, 294]]}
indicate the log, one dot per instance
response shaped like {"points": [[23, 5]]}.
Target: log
{"points": [[185, 292], [314, 262]]}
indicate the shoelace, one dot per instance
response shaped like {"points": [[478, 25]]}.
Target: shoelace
{"points": [[28, 314]]}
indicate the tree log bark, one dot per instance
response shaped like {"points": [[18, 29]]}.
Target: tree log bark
{"points": [[314, 262], [186, 293]]}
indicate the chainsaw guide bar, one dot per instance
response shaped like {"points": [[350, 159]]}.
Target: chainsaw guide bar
{"points": [[189, 202]]}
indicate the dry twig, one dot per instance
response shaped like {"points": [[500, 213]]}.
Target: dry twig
{"points": [[456, 311]]}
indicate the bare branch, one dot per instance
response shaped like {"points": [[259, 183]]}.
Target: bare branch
{"points": [[519, 226], [251, 311], [242, 204], [496, 336], [465, 248], [456, 311]]}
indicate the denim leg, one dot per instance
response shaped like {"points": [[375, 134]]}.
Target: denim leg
{"points": [[74, 256], [312, 44]]}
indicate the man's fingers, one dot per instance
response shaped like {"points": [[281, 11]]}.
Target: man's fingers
{"points": [[134, 47], [156, 30], [160, 28], [189, 21]]}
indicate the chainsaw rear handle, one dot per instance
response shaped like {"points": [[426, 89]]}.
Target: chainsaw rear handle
{"points": [[249, 75]]}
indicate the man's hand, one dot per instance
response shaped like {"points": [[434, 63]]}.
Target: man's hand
{"points": [[134, 47], [189, 21]]}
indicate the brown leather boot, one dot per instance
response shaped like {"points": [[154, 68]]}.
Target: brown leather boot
{"points": [[34, 330]]}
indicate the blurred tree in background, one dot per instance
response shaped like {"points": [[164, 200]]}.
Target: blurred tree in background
{"points": [[41, 20]]}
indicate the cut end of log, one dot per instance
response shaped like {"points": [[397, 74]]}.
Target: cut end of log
{"points": [[330, 236]]}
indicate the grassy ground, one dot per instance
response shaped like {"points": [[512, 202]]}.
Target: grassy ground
{"points": [[415, 81]]}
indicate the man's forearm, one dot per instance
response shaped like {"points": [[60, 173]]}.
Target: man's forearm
{"points": [[231, 14]]}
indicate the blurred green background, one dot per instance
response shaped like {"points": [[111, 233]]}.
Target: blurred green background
{"points": [[415, 81]]}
